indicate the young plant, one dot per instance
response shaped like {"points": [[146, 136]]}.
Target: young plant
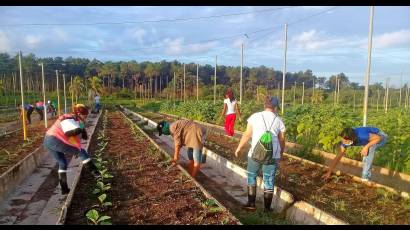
{"points": [[101, 187], [96, 219], [103, 204]]}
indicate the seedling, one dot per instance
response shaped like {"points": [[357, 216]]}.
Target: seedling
{"points": [[96, 219], [105, 175], [101, 187], [339, 205], [103, 203]]}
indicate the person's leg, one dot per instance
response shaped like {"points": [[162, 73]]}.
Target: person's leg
{"points": [[232, 124], [40, 113], [49, 145], [226, 124], [29, 112], [197, 154], [191, 160], [252, 172], [367, 163], [268, 184]]}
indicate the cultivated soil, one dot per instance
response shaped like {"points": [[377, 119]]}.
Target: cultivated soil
{"points": [[145, 188], [351, 201], [12, 146]]}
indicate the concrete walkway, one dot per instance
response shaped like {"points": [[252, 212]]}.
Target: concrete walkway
{"points": [[37, 200]]}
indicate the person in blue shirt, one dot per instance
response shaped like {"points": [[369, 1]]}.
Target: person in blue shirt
{"points": [[370, 138]]}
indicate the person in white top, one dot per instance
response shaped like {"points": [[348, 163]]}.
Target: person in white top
{"points": [[258, 123], [97, 103], [230, 109]]}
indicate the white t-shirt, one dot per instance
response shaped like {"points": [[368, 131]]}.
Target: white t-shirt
{"points": [[258, 129], [230, 105], [97, 99]]}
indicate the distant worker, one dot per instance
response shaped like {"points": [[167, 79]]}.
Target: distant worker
{"points": [[64, 137], [28, 108], [40, 109], [231, 108], [97, 103], [51, 105], [370, 138], [267, 131], [189, 134]]}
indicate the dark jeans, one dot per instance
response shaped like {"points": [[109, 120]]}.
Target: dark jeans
{"points": [[29, 112], [58, 149]]}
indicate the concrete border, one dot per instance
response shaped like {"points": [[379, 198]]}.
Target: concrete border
{"points": [[10, 179], [165, 154], [301, 213], [393, 181]]}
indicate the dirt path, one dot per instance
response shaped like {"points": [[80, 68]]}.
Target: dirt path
{"points": [[145, 190]]}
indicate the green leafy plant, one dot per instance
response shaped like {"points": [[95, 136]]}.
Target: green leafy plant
{"points": [[101, 187], [96, 219]]}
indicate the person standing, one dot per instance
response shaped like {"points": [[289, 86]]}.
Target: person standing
{"points": [[230, 110], [260, 124], [97, 103], [370, 138], [189, 134], [64, 137]]}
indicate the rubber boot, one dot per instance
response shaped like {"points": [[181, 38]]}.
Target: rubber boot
{"points": [[92, 168], [250, 206], [267, 200], [62, 179]]}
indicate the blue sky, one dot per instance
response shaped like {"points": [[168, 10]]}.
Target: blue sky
{"points": [[332, 42]]}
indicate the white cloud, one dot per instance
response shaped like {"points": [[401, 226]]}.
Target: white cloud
{"points": [[139, 35], [199, 48], [32, 40], [5, 44], [173, 46], [393, 39], [312, 40]]}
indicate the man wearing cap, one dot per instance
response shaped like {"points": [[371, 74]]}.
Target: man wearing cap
{"points": [[64, 137], [189, 134], [258, 124]]}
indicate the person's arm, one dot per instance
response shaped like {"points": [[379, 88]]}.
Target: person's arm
{"points": [[224, 110], [282, 141], [245, 138], [176, 153], [373, 140], [342, 151]]}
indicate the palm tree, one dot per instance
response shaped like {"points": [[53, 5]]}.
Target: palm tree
{"points": [[76, 87], [95, 87]]}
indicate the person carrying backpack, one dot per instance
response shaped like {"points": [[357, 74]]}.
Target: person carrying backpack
{"points": [[267, 131], [64, 137]]}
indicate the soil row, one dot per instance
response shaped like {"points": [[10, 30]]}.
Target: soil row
{"points": [[351, 201], [145, 188], [13, 148]]}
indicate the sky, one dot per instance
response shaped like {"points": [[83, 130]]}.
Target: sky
{"points": [[326, 39]]}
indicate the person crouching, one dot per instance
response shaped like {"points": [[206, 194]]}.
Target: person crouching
{"points": [[65, 137], [186, 133]]}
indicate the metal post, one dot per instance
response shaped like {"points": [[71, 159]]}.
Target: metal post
{"points": [[284, 68], [197, 82], [65, 98], [401, 86], [335, 92], [184, 82], [294, 95], [175, 80], [240, 82], [44, 96], [303, 91], [338, 90], [22, 100], [369, 57], [216, 61], [378, 98], [72, 95], [313, 90], [58, 96], [387, 95]]}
